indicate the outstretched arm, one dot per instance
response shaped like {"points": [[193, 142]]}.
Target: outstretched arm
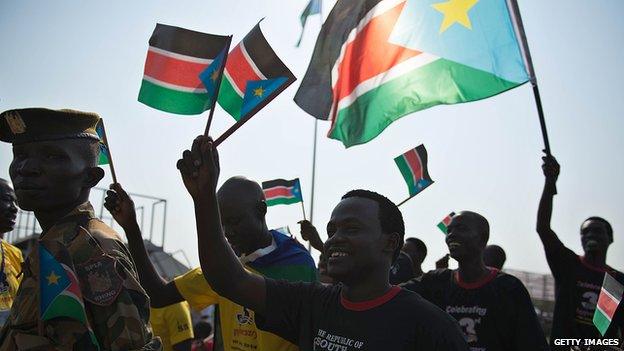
{"points": [[551, 173], [121, 206], [310, 234], [221, 268]]}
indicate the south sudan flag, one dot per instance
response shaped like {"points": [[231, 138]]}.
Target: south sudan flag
{"points": [[282, 192], [253, 76], [443, 225], [413, 167], [608, 301], [105, 157], [290, 261], [376, 61], [175, 59]]}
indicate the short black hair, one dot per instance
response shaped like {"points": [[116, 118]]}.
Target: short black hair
{"points": [[390, 217], [600, 219], [420, 245]]}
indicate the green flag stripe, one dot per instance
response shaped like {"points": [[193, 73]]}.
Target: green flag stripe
{"points": [[283, 201], [443, 227], [173, 101], [229, 99], [65, 306], [601, 321], [373, 111]]}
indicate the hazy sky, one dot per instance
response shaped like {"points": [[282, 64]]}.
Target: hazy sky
{"points": [[483, 156]]}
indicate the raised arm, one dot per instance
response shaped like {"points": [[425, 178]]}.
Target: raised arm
{"points": [[121, 206], [221, 268], [310, 234], [549, 238]]}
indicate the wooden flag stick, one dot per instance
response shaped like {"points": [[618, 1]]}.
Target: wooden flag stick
{"points": [[303, 210], [110, 154], [404, 201], [218, 86]]}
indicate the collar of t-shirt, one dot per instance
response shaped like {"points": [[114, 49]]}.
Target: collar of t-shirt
{"points": [[474, 285], [367, 305], [244, 259]]}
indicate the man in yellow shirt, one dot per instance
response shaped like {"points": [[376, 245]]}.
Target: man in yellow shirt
{"points": [[10, 256], [174, 326], [263, 251]]}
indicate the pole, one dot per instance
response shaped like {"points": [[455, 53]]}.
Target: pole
{"points": [[404, 201], [218, 86], [303, 210], [512, 5]]}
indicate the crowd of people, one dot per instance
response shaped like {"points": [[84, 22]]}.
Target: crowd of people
{"points": [[370, 290]]}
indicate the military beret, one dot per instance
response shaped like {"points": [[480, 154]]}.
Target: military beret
{"points": [[41, 124]]}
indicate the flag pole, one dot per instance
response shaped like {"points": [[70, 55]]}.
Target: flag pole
{"points": [[526, 55], [110, 153], [404, 201], [303, 210], [514, 10], [218, 86]]}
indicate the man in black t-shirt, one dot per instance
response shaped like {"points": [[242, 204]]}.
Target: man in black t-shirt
{"points": [[363, 312], [493, 309], [578, 279]]}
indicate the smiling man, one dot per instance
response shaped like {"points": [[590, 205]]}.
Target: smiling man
{"points": [[267, 252], [363, 312], [493, 308], [11, 257], [76, 256], [578, 279]]}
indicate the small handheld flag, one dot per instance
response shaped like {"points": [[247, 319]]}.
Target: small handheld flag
{"points": [[60, 291], [608, 302], [105, 154], [211, 77], [175, 58], [282, 192], [413, 167], [254, 75], [443, 225]]}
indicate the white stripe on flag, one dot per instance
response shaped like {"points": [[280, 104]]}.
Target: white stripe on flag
{"points": [[180, 56], [174, 86], [250, 61]]}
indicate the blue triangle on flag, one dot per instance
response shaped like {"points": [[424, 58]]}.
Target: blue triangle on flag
{"points": [[210, 75], [257, 91]]}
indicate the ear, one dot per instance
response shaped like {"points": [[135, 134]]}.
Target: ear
{"points": [[391, 243], [262, 208], [94, 175]]}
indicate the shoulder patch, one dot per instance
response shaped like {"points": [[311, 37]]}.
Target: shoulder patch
{"points": [[100, 283]]}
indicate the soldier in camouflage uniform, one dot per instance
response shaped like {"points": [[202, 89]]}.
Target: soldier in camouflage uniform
{"points": [[53, 169]]}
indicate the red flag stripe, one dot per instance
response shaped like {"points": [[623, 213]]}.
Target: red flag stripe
{"points": [[350, 70], [240, 68], [607, 303], [447, 220], [278, 191], [172, 70], [415, 164]]}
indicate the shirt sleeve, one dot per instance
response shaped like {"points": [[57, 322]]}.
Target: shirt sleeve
{"points": [[287, 307], [116, 305], [195, 289], [179, 324], [526, 330], [560, 260]]}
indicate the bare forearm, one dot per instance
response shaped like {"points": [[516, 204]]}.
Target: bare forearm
{"points": [[544, 214], [221, 268], [152, 282]]}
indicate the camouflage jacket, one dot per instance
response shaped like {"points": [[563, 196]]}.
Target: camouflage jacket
{"points": [[116, 305]]}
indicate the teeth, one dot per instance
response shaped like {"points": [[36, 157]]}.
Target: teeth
{"points": [[339, 254]]}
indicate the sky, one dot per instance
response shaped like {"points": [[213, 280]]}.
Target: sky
{"points": [[484, 156]]}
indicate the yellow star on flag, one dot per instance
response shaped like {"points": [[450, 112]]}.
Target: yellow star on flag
{"points": [[455, 11], [214, 75], [53, 278], [258, 92]]}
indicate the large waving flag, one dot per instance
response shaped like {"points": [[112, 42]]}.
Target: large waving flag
{"points": [[254, 75], [175, 58], [60, 295], [413, 167], [376, 61]]}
